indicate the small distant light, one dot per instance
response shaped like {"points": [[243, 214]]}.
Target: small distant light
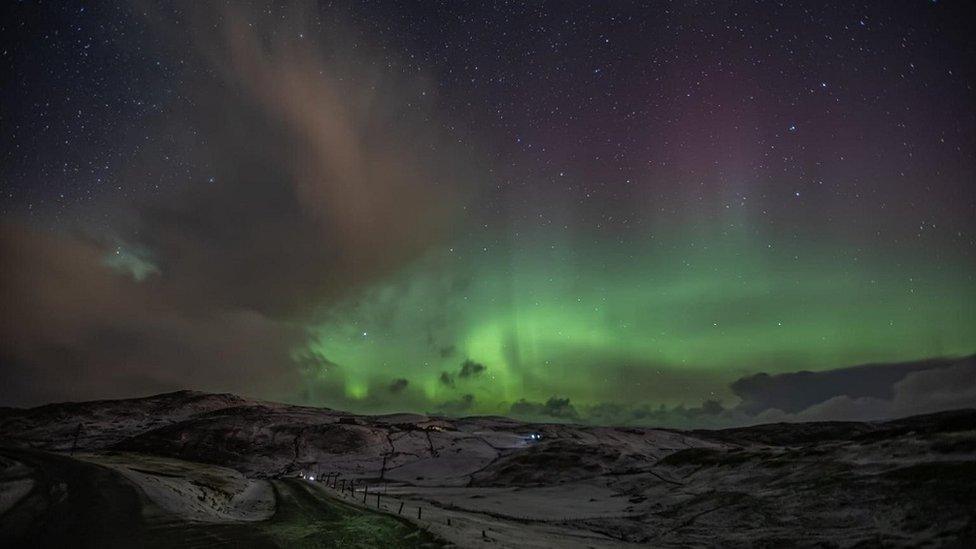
{"points": [[311, 477]]}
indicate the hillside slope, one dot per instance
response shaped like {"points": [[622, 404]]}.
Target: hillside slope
{"points": [[221, 459]]}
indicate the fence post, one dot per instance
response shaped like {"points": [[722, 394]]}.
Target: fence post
{"points": [[365, 491], [343, 489], [400, 510], [419, 510], [74, 445], [377, 500]]}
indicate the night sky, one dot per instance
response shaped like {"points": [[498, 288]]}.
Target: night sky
{"points": [[598, 211]]}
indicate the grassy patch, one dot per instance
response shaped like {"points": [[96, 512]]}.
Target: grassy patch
{"points": [[364, 530]]}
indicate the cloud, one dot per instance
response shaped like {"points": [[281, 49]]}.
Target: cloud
{"points": [[446, 379], [948, 385], [470, 368], [883, 391], [447, 351], [555, 408], [710, 414], [327, 173], [796, 391], [398, 385], [324, 176], [458, 406], [73, 328]]}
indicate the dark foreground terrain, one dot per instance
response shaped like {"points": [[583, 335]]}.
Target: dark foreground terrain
{"points": [[191, 469], [77, 503]]}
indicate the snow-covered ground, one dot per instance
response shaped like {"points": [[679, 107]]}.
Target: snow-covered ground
{"points": [[215, 458], [191, 490], [15, 483]]}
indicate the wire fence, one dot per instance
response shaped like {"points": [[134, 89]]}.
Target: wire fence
{"points": [[373, 497]]}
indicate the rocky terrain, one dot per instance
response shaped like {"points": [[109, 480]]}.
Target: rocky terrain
{"points": [[204, 469]]}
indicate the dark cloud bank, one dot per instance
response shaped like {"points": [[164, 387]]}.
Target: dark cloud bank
{"points": [[859, 393]]}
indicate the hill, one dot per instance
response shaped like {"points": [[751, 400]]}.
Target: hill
{"points": [[238, 466]]}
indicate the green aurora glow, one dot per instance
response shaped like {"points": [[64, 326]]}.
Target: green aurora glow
{"points": [[669, 321], [544, 210]]}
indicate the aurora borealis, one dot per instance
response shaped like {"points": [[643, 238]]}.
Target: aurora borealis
{"points": [[607, 329], [575, 211]]}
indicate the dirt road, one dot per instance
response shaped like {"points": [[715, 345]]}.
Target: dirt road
{"points": [[78, 504]]}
